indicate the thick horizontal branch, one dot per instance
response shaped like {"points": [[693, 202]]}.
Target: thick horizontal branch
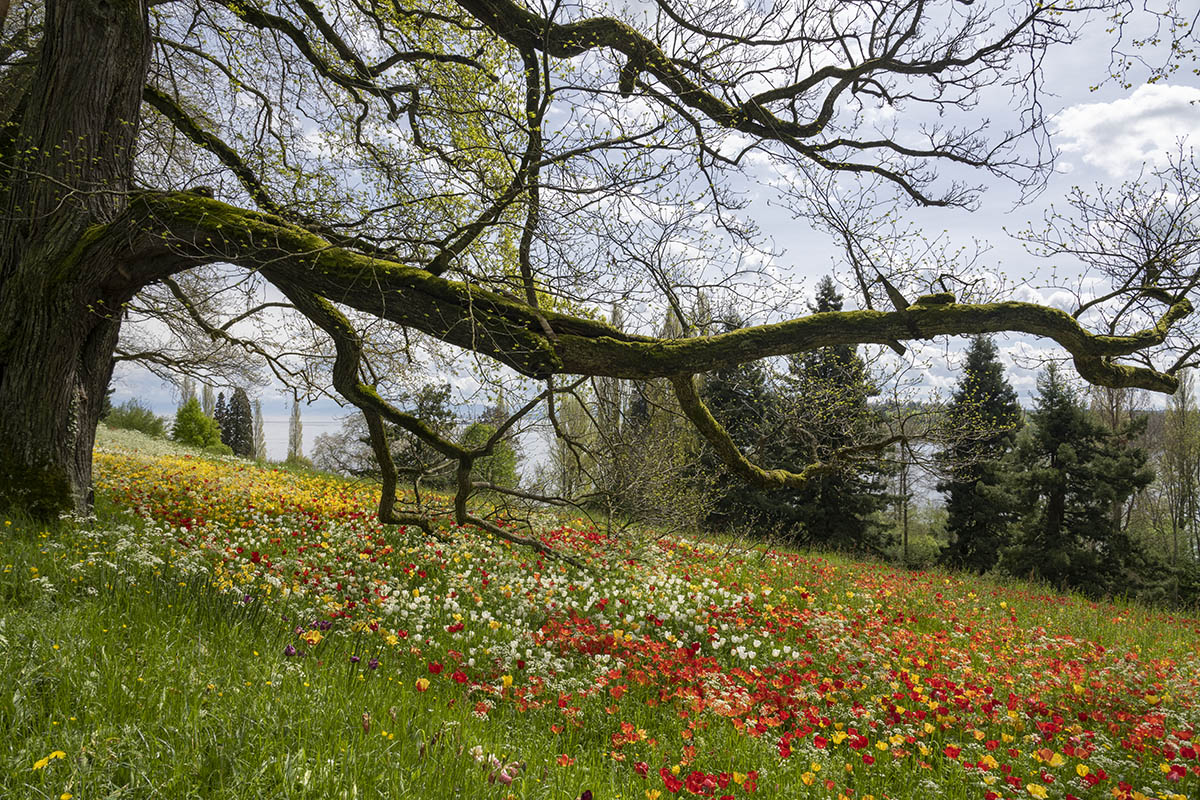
{"points": [[544, 343]]}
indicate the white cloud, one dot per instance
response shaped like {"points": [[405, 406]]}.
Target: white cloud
{"points": [[1119, 136]]}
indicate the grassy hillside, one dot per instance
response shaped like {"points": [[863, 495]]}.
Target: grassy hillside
{"points": [[223, 630]]}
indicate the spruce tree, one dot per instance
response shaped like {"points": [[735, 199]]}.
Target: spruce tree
{"points": [[239, 422], [220, 414], [744, 402], [827, 392], [985, 416], [1065, 473]]}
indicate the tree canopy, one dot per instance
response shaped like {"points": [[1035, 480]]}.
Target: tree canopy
{"points": [[486, 174]]}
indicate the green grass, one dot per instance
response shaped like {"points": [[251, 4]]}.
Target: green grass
{"points": [[161, 688]]}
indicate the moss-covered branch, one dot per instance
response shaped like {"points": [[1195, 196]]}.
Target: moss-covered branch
{"points": [[202, 229], [714, 432]]}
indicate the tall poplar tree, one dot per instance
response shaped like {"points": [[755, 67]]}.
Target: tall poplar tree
{"points": [[260, 436], [986, 416], [295, 434], [207, 401]]}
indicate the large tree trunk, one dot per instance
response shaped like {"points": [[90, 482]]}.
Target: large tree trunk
{"points": [[66, 172]]}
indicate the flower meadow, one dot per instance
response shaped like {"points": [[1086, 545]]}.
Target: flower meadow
{"points": [[278, 641]]}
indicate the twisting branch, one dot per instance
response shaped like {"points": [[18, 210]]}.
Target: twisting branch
{"points": [[954, 64], [388, 514], [348, 346], [712, 430]]}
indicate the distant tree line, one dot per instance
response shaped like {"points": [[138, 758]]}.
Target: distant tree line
{"points": [[215, 425], [1081, 491]]}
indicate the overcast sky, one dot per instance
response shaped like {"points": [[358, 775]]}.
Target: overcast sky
{"points": [[1104, 136]]}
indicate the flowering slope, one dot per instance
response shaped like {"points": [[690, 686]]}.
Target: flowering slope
{"points": [[694, 668]]}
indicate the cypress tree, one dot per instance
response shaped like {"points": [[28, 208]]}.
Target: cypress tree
{"points": [[220, 414], [985, 415], [239, 421], [1065, 473]]}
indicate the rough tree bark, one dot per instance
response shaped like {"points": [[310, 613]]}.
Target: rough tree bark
{"points": [[69, 161]]}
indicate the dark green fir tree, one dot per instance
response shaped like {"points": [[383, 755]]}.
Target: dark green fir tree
{"points": [[826, 409], [220, 414], [1066, 473], [743, 401], [985, 417]]}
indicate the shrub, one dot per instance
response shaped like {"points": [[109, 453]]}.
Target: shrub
{"points": [[299, 463], [193, 427], [923, 551], [133, 416]]}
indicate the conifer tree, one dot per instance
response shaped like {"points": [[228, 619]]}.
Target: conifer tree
{"points": [[432, 404], [239, 422], [1065, 473], [827, 392], [985, 415], [220, 413], [744, 401]]}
